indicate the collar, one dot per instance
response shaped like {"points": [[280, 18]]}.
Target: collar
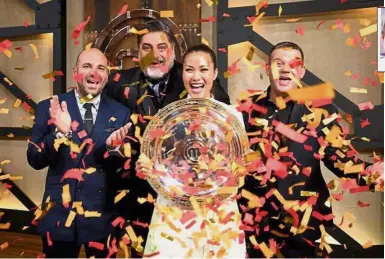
{"points": [[95, 101]]}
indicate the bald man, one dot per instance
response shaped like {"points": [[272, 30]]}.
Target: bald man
{"points": [[78, 204]]}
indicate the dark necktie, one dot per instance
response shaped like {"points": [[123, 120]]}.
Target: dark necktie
{"points": [[159, 90], [88, 120]]}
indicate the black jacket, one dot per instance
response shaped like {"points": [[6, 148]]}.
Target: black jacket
{"points": [[311, 186]]}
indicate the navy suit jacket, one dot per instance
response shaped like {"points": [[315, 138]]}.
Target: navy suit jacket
{"points": [[97, 190]]}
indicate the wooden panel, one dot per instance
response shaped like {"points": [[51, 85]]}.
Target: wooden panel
{"points": [[15, 13], [116, 6], [184, 13]]}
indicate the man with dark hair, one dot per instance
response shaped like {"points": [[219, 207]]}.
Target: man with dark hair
{"points": [[156, 83], [292, 139]]}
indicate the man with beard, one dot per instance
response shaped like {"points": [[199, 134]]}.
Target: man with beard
{"points": [[153, 85], [291, 208], [78, 202]]}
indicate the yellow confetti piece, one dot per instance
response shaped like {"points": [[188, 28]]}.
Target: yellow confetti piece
{"points": [[321, 91], [17, 103], [34, 49], [2, 101], [354, 169], [86, 98], [279, 11], [70, 219], [5, 162], [259, 17], [367, 244], [8, 81], [368, 30], [125, 249], [348, 73], [5, 225], [274, 70], [349, 42], [8, 53], [198, 5], [15, 178], [232, 190], [365, 22], [358, 90], [167, 13], [88, 46], [90, 170], [5, 176], [204, 41], [294, 19], [131, 234], [4, 246], [92, 214], [137, 134], [259, 5], [209, 2], [380, 77], [135, 31], [134, 118], [142, 200], [120, 196], [296, 80], [127, 150], [183, 94], [112, 119], [49, 75], [66, 195], [267, 252], [347, 28], [140, 100]]}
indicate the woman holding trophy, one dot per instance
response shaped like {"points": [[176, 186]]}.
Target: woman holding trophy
{"points": [[192, 156]]}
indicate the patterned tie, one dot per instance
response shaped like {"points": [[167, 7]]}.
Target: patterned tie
{"points": [[88, 120], [159, 90]]}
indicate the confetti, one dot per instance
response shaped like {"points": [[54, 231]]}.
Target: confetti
{"points": [[123, 10], [135, 31], [4, 246], [167, 14], [294, 19], [2, 101], [116, 77], [366, 106], [363, 205], [66, 195], [365, 123], [209, 19], [97, 245], [120, 196], [319, 25], [226, 15], [358, 90], [367, 244], [279, 11], [8, 53], [259, 5], [290, 133], [92, 214], [348, 73], [8, 81], [4, 111], [368, 30], [316, 92], [70, 219], [204, 41], [79, 28], [34, 49]]}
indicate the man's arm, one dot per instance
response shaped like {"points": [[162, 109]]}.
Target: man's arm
{"points": [[219, 93], [41, 152]]}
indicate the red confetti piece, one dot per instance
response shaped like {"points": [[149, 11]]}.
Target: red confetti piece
{"points": [[116, 77], [300, 31], [79, 28], [41, 255], [288, 132], [343, 1], [222, 50], [363, 205], [349, 184], [26, 24], [77, 77], [374, 83], [152, 254], [366, 81], [156, 133], [96, 245], [192, 223], [74, 125], [308, 148], [5, 44], [127, 164], [187, 215], [8, 186], [340, 24], [296, 63], [226, 15], [319, 25], [251, 19], [126, 92], [82, 134], [356, 39], [356, 76], [366, 106], [280, 169], [209, 19], [118, 221], [49, 241], [365, 188], [321, 102], [365, 123], [19, 49], [74, 173], [26, 106], [366, 45], [123, 9]]}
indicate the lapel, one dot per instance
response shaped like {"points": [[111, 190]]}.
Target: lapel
{"points": [[174, 85], [102, 118]]}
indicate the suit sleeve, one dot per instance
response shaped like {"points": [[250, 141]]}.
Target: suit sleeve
{"points": [[333, 157], [219, 93], [42, 157]]}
